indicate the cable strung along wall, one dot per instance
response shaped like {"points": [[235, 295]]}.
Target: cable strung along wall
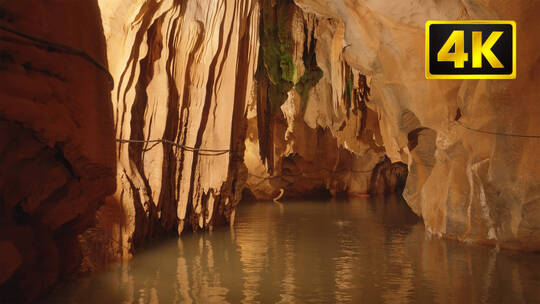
{"points": [[184, 74], [471, 146], [57, 154]]}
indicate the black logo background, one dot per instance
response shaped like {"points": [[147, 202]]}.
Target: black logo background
{"points": [[439, 33]]}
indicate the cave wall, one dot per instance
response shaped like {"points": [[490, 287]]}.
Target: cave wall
{"points": [[465, 184], [310, 132], [184, 73], [189, 73], [57, 154], [338, 101], [322, 97]]}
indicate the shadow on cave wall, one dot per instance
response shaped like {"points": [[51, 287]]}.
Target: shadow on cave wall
{"points": [[56, 140]]}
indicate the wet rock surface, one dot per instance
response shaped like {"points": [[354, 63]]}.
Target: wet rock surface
{"points": [[213, 100], [310, 132], [56, 139], [184, 73], [472, 174]]}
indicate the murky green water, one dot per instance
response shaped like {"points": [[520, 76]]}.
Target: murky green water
{"points": [[355, 251]]}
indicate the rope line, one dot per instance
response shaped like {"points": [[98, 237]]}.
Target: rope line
{"points": [[77, 52], [62, 48], [172, 143], [496, 133]]}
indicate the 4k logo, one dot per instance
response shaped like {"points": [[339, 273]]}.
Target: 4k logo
{"points": [[470, 50]]}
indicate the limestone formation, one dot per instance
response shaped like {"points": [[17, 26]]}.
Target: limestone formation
{"points": [[57, 155], [195, 75], [310, 131], [184, 74], [465, 183], [211, 99]]}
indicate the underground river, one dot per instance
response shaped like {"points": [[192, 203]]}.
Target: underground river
{"points": [[337, 251]]}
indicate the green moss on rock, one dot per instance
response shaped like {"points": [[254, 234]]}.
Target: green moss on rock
{"points": [[277, 53], [312, 73], [310, 78], [287, 67], [277, 49]]}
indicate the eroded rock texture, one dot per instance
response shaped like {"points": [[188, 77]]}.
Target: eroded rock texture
{"points": [[184, 73], [310, 131], [465, 184], [57, 154]]}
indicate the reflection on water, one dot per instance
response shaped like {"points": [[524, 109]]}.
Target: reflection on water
{"points": [[355, 251]]}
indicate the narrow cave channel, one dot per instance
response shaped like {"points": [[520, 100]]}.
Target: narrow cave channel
{"points": [[262, 151]]}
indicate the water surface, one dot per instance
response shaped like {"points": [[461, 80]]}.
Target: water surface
{"points": [[337, 251]]}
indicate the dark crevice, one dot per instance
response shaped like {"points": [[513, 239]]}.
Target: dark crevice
{"points": [[204, 115], [59, 156], [130, 65], [388, 177], [313, 73], [167, 203], [138, 111], [29, 67], [458, 114], [413, 138]]}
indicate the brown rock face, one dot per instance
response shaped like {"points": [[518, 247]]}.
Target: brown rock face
{"points": [[10, 260], [56, 140], [339, 87], [192, 79], [310, 132], [312, 97], [388, 177], [464, 182], [184, 73]]}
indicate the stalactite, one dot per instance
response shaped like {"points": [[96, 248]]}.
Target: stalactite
{"points": [[185, 73]]}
